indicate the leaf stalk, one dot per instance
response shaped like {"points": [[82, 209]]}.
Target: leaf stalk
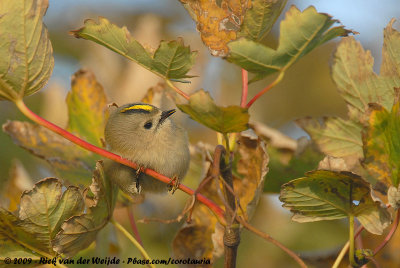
{"points": [[267, 88], [352, 259], [177, 90]]}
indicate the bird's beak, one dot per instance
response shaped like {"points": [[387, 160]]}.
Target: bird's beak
{"points": [[166, 114]]}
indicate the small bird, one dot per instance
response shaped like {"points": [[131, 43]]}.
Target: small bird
{"points": [[145, 135]]}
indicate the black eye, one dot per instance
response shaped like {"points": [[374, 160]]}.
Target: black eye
{"points": [[148, 125]]}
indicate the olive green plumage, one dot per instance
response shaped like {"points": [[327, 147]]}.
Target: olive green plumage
{"points": [[147, 136]]}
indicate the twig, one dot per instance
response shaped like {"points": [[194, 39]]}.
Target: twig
{"points": [[177, 219], [133, 224], [230, 189], [69, 136], [390, 234], [267, 88], [177, 90], [372, 259], [267, 237], [201, 185], [245, 88], [133, 240], [358, 239]]}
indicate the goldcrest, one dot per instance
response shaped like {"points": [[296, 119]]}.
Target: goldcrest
{"points": [[146, 135]]}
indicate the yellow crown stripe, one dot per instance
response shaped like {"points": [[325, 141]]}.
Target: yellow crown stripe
{"points": [[138, 107]]}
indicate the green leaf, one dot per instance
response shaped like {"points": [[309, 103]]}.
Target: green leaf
{"points": [[87, 104], [330, 195], [336, 137], [42, 211], [171, 59], [300, 32], [358, 84], [391, 53], [260, 18], [25, 51], [78, 232], [202, 109], [14, 239], [356, 80], [382, 143], [74, 163]]}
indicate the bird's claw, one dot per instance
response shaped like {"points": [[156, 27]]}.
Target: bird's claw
{"points": [[173, 184]]}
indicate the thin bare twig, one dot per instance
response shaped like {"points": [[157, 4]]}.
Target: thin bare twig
{"points": [[390, 234], [198, 189], [267, 237], [372, 259], [133, 224], [181, 215]]}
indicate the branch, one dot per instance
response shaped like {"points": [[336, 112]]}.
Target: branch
{"points": [[232, 232], [69, 136], [245, 88], [267, 88]]}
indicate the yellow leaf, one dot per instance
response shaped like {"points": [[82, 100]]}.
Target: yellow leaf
{"points": [[217, 21]]}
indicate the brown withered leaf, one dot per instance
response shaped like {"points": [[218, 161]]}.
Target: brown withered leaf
{"points": [[61, 154], [217, 21], [252, 168], [203, 236], [333, 164]]}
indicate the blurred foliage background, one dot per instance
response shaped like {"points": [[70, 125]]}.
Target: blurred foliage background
{"points": [[306, 90]]}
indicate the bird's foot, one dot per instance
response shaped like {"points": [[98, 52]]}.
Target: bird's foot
{"points": [[173, 184]]}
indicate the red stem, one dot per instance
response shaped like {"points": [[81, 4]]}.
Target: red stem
{"points": [[177, 90], [133, 224], [390, 234], [245, 88], [267, 88], [41, 121]]}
